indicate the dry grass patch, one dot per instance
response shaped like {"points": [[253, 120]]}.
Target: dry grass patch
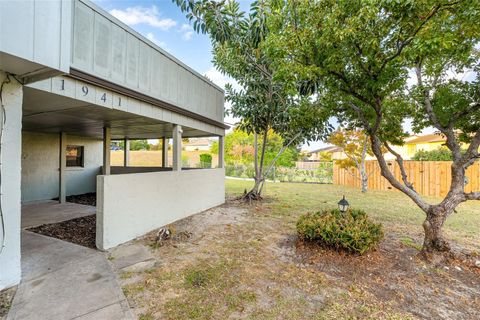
{"points": [[245, 262]]}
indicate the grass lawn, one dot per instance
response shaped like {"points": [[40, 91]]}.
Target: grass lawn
{"points": [[240, 261], [395, 210], [154, 158]]}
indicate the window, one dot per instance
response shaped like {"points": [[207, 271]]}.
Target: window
{"points": [[74, 156]]}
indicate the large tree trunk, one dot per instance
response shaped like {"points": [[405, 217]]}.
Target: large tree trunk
{"points": [[255, 192], [434, 241]]}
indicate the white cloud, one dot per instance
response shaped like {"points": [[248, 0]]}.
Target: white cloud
{"points": [[150, 36], [187, 31], [143, 15]]}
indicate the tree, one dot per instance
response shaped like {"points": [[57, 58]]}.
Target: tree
{"points": [[239, 149], [357, 57], [356, 146], [263, 103]]}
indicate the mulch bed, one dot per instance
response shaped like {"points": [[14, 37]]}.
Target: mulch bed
{"points": [[89, 199], [6, 297], [81, 231]]}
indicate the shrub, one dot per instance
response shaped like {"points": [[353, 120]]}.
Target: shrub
{"points": [[440, 154], [352, 231], [206, 160]]}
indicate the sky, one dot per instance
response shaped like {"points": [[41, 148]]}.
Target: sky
{"points": [[162, 22]]}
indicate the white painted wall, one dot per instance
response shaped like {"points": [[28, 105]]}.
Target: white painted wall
{"points": [[130, 205], [105, 47], [10, 187], [40, 165], [35, 36]]}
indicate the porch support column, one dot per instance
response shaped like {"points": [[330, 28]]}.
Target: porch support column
{"points": [[62, 187], [221, 151], [164, 152], [106, 150], [177, 148], [126, 152], [10, 188]]}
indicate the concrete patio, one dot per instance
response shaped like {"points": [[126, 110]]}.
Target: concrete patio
{"points": [[62, 280], [44, 212]]}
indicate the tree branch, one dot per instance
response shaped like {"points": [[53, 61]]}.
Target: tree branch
{"points": [[377, 150], [270, 167], [399, 160], [473, 195]]}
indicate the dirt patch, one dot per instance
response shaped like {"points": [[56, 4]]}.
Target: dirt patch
{"points": [[396, 273], [241, 261], [6, 297], [81, 231], [89, 199]]}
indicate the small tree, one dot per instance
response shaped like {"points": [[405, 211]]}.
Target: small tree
{"points": [[356, 146], [263, 104]]}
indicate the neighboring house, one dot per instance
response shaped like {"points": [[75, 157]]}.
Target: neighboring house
{"points": [[73, 78], [412, 145], [319, 154], [415, 143], [198, 145]]}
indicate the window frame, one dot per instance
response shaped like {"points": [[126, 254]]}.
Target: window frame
{"points": [[82, 157]]}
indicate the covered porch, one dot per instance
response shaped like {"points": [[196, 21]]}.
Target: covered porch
{"points": [[130, 200]]}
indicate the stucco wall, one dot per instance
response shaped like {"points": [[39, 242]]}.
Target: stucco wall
{"points": [[10, 187], [40, 163], [131, 205]]}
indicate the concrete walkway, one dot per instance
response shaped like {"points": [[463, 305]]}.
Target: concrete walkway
{"points": [[65, 281], [37, 213]]}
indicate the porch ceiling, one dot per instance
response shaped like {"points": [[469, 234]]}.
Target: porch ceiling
{"points": [[50, 113]]}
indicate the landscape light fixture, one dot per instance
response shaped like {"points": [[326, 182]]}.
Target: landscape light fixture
{"points": [[343, 205]]}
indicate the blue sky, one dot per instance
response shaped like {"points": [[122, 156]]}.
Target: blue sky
{"points": [[162, 22]]}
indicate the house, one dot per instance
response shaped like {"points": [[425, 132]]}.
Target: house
{"points": [[73, 78], [322, 153], [412, 145], [198, 145]]}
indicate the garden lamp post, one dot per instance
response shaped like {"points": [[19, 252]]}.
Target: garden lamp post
{"points": [[343, 205]]}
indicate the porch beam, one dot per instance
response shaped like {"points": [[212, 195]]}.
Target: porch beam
{"points": [[106, 150], [126, 152], [62, 187], [177, 147], [221, 151], [164, 152]]}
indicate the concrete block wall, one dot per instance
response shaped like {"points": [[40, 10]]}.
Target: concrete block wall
{"points": [[40, 165], [12, 95], [130, 205]]}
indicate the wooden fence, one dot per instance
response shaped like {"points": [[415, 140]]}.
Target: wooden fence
{"points": [[429, 178], [310, 165]]}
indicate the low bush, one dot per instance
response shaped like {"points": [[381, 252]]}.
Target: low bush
{"points": [[352, 231], [206, 160]]}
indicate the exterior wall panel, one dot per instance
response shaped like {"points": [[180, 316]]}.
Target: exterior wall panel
{"points": [[83, 37], [46, 33], [122, 56], [35, 38], [102, 46], [130, 205], [40, 165]]}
